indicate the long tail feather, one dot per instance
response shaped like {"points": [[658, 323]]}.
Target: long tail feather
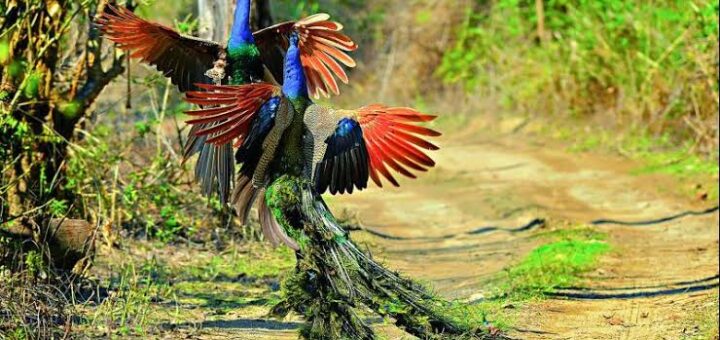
{"points": [[333, 277]]}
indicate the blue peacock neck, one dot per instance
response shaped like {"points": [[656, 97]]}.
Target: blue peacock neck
{"points": [[241, 33], [295, 90], [243, 55], [294, 84]]}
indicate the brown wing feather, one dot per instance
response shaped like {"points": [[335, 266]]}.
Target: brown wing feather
{"points": [[322, 49], [183, 58], [238, 105]]}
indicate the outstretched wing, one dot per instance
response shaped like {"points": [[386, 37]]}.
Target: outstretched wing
{"points": [[393, 140], [340, 161], [183, 58], [323, 48], [255, 116], [367, 143], [230, 109]]}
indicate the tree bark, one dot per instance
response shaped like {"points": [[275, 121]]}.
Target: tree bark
{"points": [[216, 17], [45, 92]]}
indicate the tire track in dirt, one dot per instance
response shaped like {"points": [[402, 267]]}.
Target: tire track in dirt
{"points": [[508, 183]]}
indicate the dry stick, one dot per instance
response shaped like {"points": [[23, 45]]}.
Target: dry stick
{"points": [[107, 229], [540, 13], [161, 139], [128, 100]]}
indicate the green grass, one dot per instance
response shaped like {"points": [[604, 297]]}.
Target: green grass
{"points": [[129, 308], [679, 163], [553, 265], [558, 263], [703, 323], [561, 262], [656, 154], [616, 65], [259, 261]]}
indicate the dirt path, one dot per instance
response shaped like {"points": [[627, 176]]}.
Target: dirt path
{"points": [[508, 183], [441, 231]]}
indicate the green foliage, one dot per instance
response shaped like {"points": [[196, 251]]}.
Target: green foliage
{"points": [[125, 312], [70, 109], [58, 207], [159, 205], [187, 26], [4, 52], [16, 68], [649, 64], [556, 264], [32, 85], [34, 263]]}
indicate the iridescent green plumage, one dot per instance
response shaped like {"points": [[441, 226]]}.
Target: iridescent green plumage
{"points": [[244, 64]]}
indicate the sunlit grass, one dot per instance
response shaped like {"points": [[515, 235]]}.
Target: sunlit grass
{"points": [[655, 155], [553, 265], [561, 262], [146, 294], [259, 261], [703, 322]]}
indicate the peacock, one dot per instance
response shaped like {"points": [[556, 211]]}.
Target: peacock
{"points": [[292, 151], [246, 58]]}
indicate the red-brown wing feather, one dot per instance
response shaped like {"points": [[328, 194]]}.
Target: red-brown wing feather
{"points": [[393, 141], [323, 48], [182, 58], [238, 105]]}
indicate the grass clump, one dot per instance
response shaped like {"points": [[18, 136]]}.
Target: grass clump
{"points": [[558, 263], [703, 322], [554, 265]]}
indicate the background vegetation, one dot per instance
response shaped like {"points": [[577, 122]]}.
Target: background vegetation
{"points": [[83, 138]]}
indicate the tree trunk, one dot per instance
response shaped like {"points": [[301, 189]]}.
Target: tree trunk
{"points": [[261, 16], [50, 77], [216, 16]]}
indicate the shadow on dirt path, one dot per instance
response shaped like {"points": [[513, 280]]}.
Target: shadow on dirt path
{"points": [[470, 217], [477, 212]]}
